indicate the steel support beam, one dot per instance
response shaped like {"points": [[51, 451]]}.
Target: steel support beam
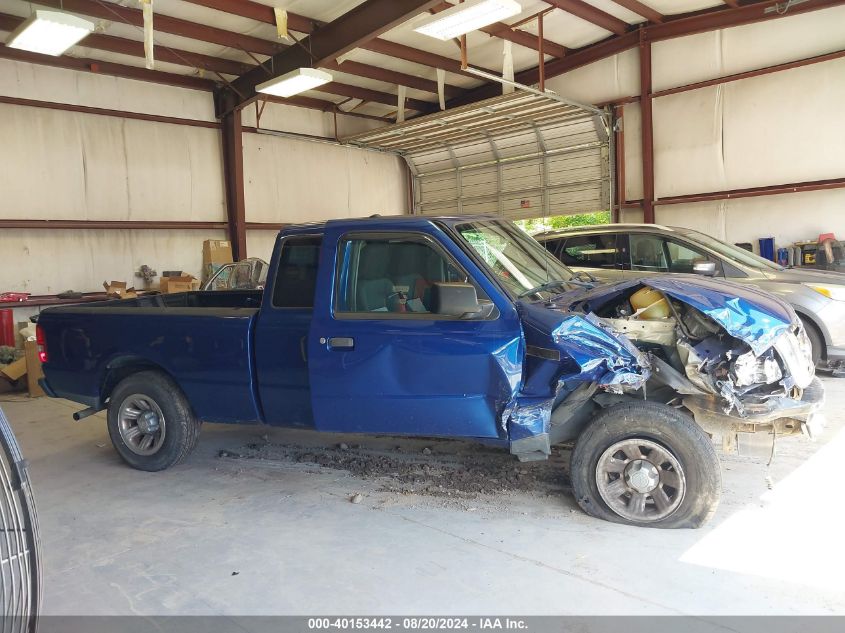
{"points": [[647, 132], [166, 24], [101, 42], [301, 24], [592, 14], [107, 68], [362, 24], [230, 39], [78, 225], [233, 168], [576, 59], [725, 18], [121, 114], [108, 224], [753, 192], [635, 6], [506, 32], [618, 121], [751, 73]]}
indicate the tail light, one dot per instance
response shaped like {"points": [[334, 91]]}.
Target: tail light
{"points": [[42, 343]]}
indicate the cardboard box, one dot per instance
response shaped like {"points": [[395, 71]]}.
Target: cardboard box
{"points": [[118, 290], [183, 283], [215, 252], [33, 369], [14, 371]]}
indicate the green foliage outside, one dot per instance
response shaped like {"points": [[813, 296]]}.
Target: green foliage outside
{"points": [[564, 221]]}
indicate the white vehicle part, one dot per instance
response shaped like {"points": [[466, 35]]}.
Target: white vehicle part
{"points": [[795, 350], [750, 369]]}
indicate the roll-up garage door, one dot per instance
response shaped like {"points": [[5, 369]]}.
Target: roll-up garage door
{"points": [[521, 155]]}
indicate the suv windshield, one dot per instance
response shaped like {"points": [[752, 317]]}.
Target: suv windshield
{"points": [[517, 260], [730, 251]]}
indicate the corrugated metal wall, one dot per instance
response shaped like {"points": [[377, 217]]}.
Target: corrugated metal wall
{"points": [[768, 130], [79, 166]]}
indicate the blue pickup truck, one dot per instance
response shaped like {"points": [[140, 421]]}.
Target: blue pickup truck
{"points": [[452, 327]]}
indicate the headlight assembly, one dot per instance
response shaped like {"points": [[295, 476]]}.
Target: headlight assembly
{"points": [[837, 293]]}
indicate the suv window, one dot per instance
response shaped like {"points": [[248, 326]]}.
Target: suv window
{"points": [[552, 245], [647, 253], [654, 253], [595, 251], [392, 273], [297, 274]]}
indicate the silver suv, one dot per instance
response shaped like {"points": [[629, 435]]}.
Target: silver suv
{"points": [[617, 251]]}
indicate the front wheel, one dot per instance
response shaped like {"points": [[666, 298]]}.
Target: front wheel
{"points": [[646, 464], [150, 422]]}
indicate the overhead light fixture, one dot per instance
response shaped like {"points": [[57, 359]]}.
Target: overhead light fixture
{"points": [[468, 16], [49, 32], [294, 82]]}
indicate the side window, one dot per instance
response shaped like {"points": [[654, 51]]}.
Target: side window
{"points": [[296, 277], [553, 245], [648, 253], [391, 274], [681, 257], [593, 251]]}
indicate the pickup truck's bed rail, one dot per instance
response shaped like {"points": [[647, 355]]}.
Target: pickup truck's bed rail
{"points": [[202, 340]]}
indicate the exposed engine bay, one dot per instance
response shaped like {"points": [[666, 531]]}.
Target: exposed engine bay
{"points": [[698, 358]]}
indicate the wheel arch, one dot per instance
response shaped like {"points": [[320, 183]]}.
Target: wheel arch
{"points": [[122, 367], [808, 320]]}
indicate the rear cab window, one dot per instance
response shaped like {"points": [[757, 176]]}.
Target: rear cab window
{"points": [[296, 276]]}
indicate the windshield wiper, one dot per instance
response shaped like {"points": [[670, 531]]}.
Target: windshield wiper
{"points": [[546, 286]]}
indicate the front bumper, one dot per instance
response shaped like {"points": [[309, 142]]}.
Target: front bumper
{"points": [[784, 416]]}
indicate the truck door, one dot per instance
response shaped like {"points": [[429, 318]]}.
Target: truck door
{"points": [[381, 362], [281, 335]]}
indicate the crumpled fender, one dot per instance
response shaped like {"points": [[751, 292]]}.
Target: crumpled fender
{"points": [[751, 315], [563, 351]]}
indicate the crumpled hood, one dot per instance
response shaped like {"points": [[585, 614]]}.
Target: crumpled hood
{"points": [[747, 313]]}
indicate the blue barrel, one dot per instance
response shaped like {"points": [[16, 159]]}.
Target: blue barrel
{"points": [[767, 248]]}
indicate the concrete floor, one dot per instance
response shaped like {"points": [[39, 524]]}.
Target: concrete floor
{"points": [[222, 536]]}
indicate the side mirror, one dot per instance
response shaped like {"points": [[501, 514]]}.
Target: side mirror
{"points": [[704, 267], [454, 299]]}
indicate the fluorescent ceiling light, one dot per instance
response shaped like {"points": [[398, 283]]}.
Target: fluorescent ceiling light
{"points": [[468, 16], [49, 32], [294, 82]]}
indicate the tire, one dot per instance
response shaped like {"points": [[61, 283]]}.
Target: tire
{"points": [[689, 480], [816, 341], [165, 415]]}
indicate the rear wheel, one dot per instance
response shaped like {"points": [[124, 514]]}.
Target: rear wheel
{"points": [[646, 464], [150, 422]]}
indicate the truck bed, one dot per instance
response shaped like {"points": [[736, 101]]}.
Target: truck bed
{"points": [[203, 340]]}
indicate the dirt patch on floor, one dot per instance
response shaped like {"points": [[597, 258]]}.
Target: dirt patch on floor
{"points": [[435, 468]]}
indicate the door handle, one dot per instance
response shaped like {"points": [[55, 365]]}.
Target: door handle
{"points": [[341, 343]]}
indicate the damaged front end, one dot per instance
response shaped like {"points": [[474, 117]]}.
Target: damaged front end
{"points": [[737, 359]]}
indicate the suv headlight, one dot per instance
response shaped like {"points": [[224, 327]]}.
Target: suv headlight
{"points": [[837, 293]]}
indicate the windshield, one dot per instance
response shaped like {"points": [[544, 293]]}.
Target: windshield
{"points": [[731, 252], [517, 260]]}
